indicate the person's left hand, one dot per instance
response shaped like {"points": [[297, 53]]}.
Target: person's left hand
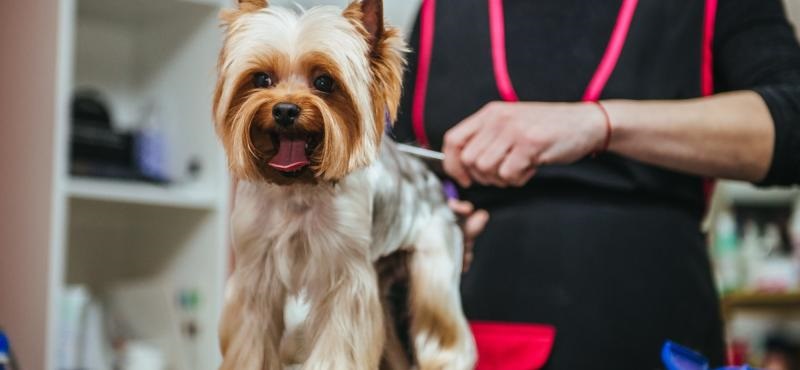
{"points": [[504, 143], [472, 223]]}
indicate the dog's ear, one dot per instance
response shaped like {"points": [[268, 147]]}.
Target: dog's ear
{"points": [[372, 17], [251, 5], [227, 16], [370, 14]]}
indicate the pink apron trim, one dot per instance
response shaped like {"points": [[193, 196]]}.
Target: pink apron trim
{"points": [[427, 17], [707, 73], [512, 346], [709, 22], [614, 49], [497, 29]]}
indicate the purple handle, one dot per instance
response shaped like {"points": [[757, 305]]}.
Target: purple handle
{"points": [[450, 189]]}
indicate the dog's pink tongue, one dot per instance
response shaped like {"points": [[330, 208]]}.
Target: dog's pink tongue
{"points": [[291, 155]]}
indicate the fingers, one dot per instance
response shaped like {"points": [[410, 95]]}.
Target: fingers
{"points": [[475, 148], [517, 168], [475, 224], [472, 228], [473, 153], [488, 162], [454, 141], [461, 207]]}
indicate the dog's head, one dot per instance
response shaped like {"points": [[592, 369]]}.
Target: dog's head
{"points": [[302, 96]]}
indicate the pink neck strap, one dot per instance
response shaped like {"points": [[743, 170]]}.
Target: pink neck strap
{"points": [[709, 23], [497, 29], [427, 13], [613, 50]]}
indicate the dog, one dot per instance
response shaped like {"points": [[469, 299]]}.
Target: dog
{"points": [[329, 217]]}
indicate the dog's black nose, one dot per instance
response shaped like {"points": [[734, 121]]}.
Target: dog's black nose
{"points": [[285, 113]]}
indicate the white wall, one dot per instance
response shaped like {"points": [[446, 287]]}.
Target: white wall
{"points": [[29, 35], [399, 12], [793, 8]]}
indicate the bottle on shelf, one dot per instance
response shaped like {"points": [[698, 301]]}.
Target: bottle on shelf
{"points": [[751, 254], [726, 253], [794, 237]]}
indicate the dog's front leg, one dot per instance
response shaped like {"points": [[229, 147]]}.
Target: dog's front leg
{"points": [[346, 323], [440, 333], [252, 325]]}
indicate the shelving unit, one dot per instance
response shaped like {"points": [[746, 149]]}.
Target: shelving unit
{"points": [[137, 246], [751, 316], [116, 191]]}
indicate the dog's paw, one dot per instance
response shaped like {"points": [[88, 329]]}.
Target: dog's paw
{"points": [[431, 355]]}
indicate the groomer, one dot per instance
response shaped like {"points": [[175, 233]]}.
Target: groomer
{"points": [[588, 130]]}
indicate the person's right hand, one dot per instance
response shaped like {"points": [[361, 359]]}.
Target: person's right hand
{"points": [[472, 224], [503, 144]]}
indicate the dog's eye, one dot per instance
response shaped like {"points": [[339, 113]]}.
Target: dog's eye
{"points": [[324, 83], [262, 80]]}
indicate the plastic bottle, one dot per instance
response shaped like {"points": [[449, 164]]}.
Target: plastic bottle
{"points": [[794, 239], [152, 147], [752, 254], [726, 253]]}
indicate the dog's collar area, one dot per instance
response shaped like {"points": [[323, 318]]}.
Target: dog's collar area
{"points": [[387, 122]]}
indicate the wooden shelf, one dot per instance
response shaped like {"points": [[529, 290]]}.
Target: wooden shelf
{"points": [[744, 193], [140, 193], [773, 302]]}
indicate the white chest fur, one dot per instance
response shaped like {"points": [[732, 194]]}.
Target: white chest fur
{"points": [[305, 289]]}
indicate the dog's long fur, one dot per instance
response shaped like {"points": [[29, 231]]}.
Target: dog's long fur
{"points": [[317, 252]]}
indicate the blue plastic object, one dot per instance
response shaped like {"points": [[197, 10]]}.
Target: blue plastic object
{"points": [[5, 355], [677, 357]]}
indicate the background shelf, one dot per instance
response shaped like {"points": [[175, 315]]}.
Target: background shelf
{"points": [[141, 193], [745, 193], [771, 301]]}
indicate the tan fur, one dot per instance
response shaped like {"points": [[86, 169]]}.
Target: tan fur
{"points": [[306, 238], [386, 62]]}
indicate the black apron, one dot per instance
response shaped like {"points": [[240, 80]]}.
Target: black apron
{"points": [[607, 251]]}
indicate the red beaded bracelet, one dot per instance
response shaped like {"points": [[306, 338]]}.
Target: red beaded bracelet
{"points": [[607, 140]]}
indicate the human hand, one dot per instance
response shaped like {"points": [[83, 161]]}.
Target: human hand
{"points": [[472, 225], [504, 143]]}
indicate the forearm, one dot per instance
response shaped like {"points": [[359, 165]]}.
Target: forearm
{"points": [[727, 135]]}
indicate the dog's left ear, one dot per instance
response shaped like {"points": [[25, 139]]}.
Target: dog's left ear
{"points": [[370, 14], [250, 5]]}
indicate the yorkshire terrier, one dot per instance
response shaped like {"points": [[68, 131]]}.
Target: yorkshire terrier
{"points": [[329, 215]]}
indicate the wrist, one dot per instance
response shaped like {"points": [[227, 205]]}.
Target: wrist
{"points": [[606, 130], [600, 127], [615, 112]]}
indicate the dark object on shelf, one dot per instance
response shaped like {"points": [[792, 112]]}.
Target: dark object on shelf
{"points": [[96, 149], [781, 353]]}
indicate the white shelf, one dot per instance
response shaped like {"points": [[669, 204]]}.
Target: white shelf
{"points": [[744, 193], [140, 193]]}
